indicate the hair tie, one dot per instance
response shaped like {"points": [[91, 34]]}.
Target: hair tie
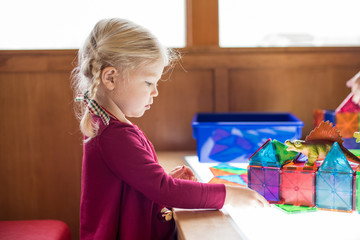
{"points": [[94, 107]]}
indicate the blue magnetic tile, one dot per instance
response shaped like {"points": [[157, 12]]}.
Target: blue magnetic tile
{"points": [[329, 116], [334, 191], [233, 178], [265, 156], [335, 161]]}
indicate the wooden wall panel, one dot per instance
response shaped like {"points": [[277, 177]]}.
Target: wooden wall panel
{"points": [[300, 93], [168, 123], [316, 81], [40, 148], [40, 144]]}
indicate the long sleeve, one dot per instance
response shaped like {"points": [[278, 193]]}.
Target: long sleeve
{"points": [[130, 158]]}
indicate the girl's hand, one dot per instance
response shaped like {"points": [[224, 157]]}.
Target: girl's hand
{"points": [[238, 196], [354, 84], [183, 172]]}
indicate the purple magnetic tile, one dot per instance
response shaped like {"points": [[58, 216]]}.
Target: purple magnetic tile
{"points": [[265, 181], [272, 176]]}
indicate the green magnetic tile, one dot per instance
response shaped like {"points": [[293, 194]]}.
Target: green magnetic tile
{"points": [[284, 156], [356, 152], [295, 209]]}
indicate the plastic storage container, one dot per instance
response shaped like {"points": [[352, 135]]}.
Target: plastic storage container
{"points": [[234, 137]]}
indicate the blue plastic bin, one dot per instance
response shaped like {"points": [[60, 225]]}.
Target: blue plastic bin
{"points": [[234, 137]]}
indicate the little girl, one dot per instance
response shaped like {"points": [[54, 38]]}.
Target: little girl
{"points": [[124, 189]]}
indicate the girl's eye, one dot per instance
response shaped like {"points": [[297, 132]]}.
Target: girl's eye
{"points": [[148, 83]]}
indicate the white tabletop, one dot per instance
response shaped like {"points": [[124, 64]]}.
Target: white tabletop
{"points": [[272, 223]]}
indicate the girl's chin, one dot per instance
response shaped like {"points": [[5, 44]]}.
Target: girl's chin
{"points": [[137, 115]]}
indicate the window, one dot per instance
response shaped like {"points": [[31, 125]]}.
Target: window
{"points": [[41, 24], [283, 23]]}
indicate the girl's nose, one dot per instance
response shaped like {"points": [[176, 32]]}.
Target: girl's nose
{"points": [[155, 92]]}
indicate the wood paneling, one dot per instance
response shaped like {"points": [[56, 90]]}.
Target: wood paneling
{"points": [[295, 80], [40, 148], [221, 92], [40, 144], [299, 93]]}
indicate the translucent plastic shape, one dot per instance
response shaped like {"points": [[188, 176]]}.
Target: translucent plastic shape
{"points": [[334, 190], [335, 161], [282, 154], [266, 181], [265, 156], [297, 187]]}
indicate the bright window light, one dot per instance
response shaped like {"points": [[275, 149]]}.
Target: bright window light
{"points": [[283, 23], [41, 24]]}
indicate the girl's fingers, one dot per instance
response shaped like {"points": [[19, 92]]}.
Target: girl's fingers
{"points": [[175, 170], [189, 171], [263, 201], [194, 179]]}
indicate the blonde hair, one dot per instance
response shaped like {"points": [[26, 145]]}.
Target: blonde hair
{"points": [[118, 43]]}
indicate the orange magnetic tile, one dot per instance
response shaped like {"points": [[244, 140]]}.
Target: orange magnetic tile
{"points": [[218, 172], [300, 166], [318, 117], [223, 181], [347, 124]]}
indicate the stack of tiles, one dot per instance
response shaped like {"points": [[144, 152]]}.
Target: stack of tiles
{"points": [[335, 182], [345, 118], [264, 169], [282, 177]]}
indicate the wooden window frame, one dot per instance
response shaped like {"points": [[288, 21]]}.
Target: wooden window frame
{"points": [[202, 23]]}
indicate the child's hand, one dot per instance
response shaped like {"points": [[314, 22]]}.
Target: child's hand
{"points": [[238, 196], [354, 84], [183, 172]]}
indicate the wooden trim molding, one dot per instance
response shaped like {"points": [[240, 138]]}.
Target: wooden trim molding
{"points": [[202, 23]]}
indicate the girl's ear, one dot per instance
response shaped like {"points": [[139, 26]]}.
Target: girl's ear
{"points": [[108, 75]]}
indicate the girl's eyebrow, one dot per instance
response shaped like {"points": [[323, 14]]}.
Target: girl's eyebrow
{"points": [[152, 74], [149, 73]]}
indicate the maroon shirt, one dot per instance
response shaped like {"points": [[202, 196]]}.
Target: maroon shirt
{"points": [[124, 187]]}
